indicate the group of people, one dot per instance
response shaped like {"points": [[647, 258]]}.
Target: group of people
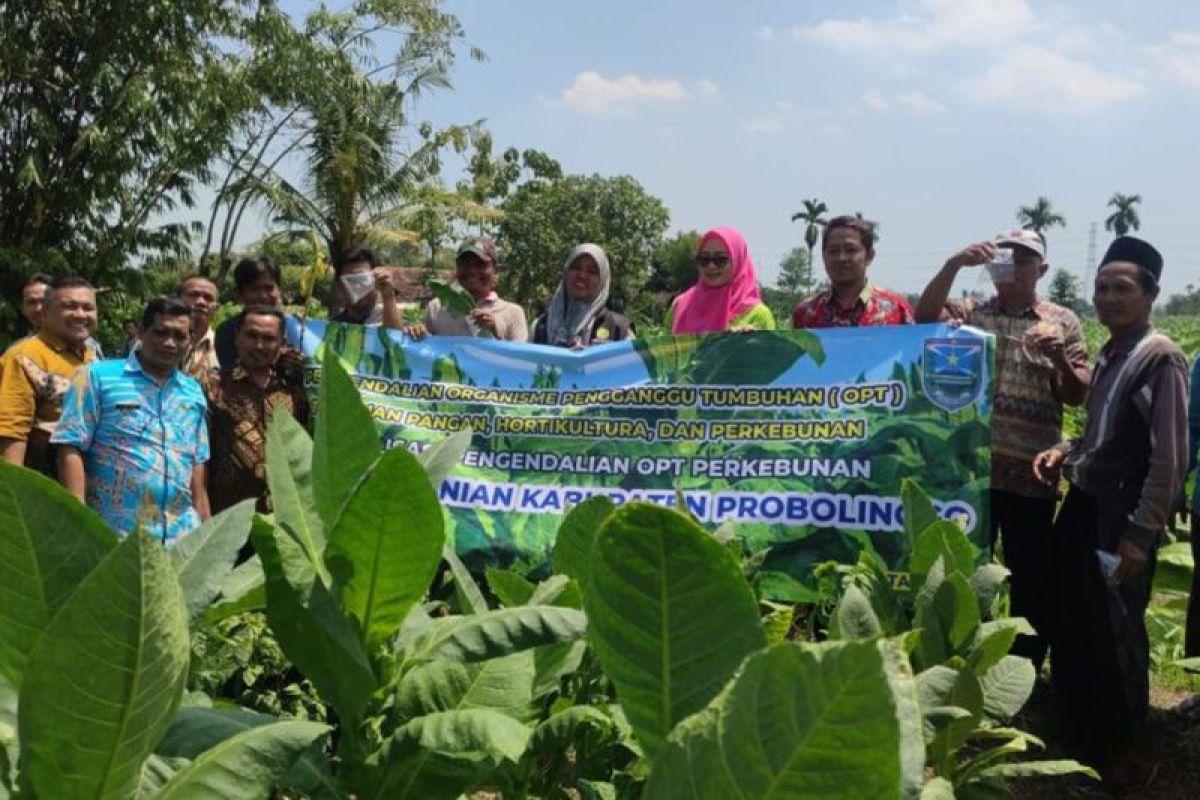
{"points": [[176, 429]]}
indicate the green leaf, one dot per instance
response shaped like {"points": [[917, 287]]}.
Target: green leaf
{"points": [[471, 599], [196, 730], [289, 476], [938, 789], [855, 618], [314, 632], [9, 747], [452, 297], [831, 720], [386, 545], [1007, 686], [108, 672], [942, 687], [205, 557], [919, 512], [511, 588], [345, 443], [577, 536], [498, 633], [500, 684], [986, 582], [991, 648], [562, 731], [249, 764], [947, 540], [1173, 572], [660, 589], [777, 624], [949, 622], [1039, 769], [552, 663], [557, 590], [242, 590], [445, 754], [48, 542], [441, 459]]}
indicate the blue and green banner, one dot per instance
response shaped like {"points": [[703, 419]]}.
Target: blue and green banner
{"points": [[799, 440]]}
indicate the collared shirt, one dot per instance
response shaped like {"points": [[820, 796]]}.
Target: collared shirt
{"points": [[37, 372], [140, 442], [1133, 454], [510, 320], [874, 307], [1027, 413], [239, 410], [202, 356]]}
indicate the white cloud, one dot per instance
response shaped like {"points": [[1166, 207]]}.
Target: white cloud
{"points": [[765, 33], [917, 103], [1179, 57], [1036, 77], [592, 93], [938, 23], [706, 88], [767, 126]]}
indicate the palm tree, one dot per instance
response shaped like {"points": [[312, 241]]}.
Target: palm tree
{"points": [[357, 182], [1125, 218], [1040, 216], [812, 215]]}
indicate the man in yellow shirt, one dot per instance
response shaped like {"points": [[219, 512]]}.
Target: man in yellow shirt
{"points": [[37, 372]]}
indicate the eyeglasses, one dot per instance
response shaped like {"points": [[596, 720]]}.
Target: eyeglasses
{"points": [[717, 260]]}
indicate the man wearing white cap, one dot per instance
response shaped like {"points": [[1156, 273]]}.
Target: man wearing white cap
{"points": [[1041, 365]]}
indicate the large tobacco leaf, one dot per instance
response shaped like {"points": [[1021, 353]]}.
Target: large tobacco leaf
{"points": [[205, 557], [48, 542], [105, 678], [670, 616], [830, 721], [345, 443]]}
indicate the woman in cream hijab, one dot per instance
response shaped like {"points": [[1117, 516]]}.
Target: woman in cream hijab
{"points": [[578, 315]]}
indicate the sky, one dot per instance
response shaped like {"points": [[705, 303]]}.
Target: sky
{"points": [[935, 118]]}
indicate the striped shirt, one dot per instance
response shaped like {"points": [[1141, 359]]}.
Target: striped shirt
{"points": [[141, 443], [1132, 457]]}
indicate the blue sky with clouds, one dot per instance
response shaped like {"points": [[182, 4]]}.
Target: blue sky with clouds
{"points": [[936, 118]]}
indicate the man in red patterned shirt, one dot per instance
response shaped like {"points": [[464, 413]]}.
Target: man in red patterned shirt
{"points": [[848, 247]]}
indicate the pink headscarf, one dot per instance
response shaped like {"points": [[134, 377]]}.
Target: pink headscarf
{"points": [[702, 309]]}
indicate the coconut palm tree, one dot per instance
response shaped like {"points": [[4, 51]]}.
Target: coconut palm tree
{"points": [[814, 220], [1125, 218], [1040, 216]]}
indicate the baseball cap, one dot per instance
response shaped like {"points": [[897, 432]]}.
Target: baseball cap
{"points": [[481, 246], [1020, 237]]}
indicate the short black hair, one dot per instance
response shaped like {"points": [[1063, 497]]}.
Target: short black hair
{"points": [[258, 311], [197, 276], [249, 270], [164, 307], [865, 228], [36, 278], [66, 282], [355, 255]]}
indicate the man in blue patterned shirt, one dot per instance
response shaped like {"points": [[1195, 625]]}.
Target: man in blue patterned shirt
{"points": [[132, 439]]}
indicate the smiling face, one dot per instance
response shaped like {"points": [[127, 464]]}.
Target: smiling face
{"points": [[263, 292], [164, 342], [476, 275], [70, 314], [714, 264], [1122, 303], [846, 259], [583, 279], [259, 339]]}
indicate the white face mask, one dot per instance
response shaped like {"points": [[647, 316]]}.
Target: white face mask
{"points": [[358, 285]]}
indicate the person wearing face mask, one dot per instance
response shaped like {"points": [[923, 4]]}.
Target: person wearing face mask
{"points": [[38, 370], [1041, 366], [256, 282], [133, 441], [577, 315], [475, 267], [848, 248], [725, 298], [366, 292], [241, 400]]}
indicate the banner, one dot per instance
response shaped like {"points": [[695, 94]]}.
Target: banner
{"points": [[798, 439]]}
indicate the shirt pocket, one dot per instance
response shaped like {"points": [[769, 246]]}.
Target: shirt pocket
{"points": [[128, 423]]}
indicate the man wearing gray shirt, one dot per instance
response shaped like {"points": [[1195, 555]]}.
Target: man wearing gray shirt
{"points": [[1125, 473]]}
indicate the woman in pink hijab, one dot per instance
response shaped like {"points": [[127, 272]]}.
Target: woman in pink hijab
{"points": [[725, 298]]}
